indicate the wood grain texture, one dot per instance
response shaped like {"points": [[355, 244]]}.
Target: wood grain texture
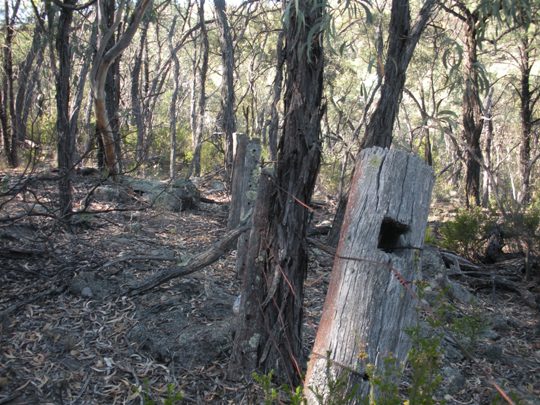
{"points": [[370, 301]]}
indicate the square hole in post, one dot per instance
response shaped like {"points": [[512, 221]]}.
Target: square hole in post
{"points": [[390, 235]]}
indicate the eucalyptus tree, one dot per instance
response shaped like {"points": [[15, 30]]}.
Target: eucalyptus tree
{"points": [[28, 76], [226, 117], [8, 113], [529, 95], [402, 41], [474, 18], [199, 104], [269, 331], [103, 60], [66, 139]]}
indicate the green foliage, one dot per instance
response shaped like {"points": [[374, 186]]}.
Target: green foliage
{"points": [[524, 223], [465, 232], [384, 389], [173, 396], [271, 393], [424, 359], [425, 363], [467, 329], [429, 237], [211, 157]]}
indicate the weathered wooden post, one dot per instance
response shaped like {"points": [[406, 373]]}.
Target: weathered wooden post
{"points": [[245, 178], [370, 301], [240, 142], [245, 182]]}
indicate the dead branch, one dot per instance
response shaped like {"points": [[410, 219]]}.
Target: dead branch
{"points": [[196, 263], [502, 283]]}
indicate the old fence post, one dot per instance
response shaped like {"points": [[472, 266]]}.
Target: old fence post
{"points": [[240, 142], [370, 300], [244, 191]]}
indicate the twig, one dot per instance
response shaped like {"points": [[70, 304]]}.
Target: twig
{"points": [[502, 393]]}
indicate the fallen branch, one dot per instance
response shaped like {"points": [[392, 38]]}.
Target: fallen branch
{"points": [[322, 246], [502, 283], [450, 258], [21, 252], [196, 263]]}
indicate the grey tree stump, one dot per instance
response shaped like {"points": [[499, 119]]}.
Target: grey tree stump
{"points": [[370, 302]]}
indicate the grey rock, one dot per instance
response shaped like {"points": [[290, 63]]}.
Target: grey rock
{"points": [[492, 352], [178, 195], [453, 290], [87, 292], [113, 193], [454, 381], [216, 186], [490, 334], [451, 351], [86, 283], [432, 263], [500, 324]]}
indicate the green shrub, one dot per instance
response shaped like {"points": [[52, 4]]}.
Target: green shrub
{"points": [[465, 233]]}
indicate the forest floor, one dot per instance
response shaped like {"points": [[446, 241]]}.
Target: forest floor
{"points": [[70, 335]]}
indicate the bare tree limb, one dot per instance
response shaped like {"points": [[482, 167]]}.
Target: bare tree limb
{"points": [[196, 263]]}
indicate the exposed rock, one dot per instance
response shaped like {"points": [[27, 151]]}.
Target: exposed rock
{"points": [[500, 324], [111, 193], [432, 263], [492, 352], [90, 285], [216, 186], [453, 289], [453, 379], [489, 334], [86, 292], [450, 350], [175, 196]]}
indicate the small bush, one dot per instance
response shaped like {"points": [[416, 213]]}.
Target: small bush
{"points": [[466, 232]]}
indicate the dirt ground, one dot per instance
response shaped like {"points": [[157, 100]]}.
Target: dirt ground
{"points": [[70, 335]]}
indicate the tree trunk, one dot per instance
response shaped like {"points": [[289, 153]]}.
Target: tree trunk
{"points": [[526, 120], [135, 94], [201, 107], [402, 43], [269, 333], [26, 82], [488, 130], [247, 197], [472, 114], [226, 119], [76, 105], [66, 139], [370, 300], [10, 114], [273, 128], [105, 57], [174, 101], [112, 87]]}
